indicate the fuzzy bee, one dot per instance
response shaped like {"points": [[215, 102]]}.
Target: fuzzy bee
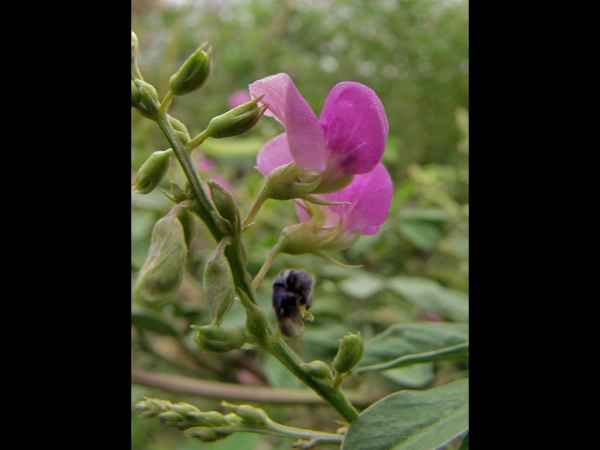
{"points": [[292, 297]]}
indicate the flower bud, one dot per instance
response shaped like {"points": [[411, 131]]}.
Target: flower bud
{"points": [[189, 226], [249, 414], [318, 370], [148, 103], [349, 354], [152, 172], [211, 339], [290, 181], [180, 129], [219, 289], [193, 74], [162, 273], [236, 121], [204, 434], [225, 205]]}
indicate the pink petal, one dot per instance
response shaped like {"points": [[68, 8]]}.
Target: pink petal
{"points": [[274, 153], [356, 128], [305, 135], [370, 196]]}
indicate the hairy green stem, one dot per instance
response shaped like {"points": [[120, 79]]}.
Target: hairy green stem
{"points": [[197, 140], [283, 430]]}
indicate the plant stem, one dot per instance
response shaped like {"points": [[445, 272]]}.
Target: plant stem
{"points": [[264, 269], [262, 198], [337, 400], [165, 103], [197, 140]]}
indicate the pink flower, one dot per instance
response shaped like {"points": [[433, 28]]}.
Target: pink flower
{"points": [[238, 98], [370, 198], [205, 164], [348, 139]]}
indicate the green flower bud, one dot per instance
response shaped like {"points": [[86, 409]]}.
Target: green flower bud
{"points": [[162, 273], [213, 418], [148, 103], [193, 74], [257, 323], [224, 203], [152, 172], [349, 354], [219, 289], [249, 414], [180, 129], [173, 419], [211, 339], [236, 121], [204, 434], [189, 226], [290, 181], [318, 370]]}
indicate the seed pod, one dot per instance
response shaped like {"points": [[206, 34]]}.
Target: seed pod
{"points": [[162, 273], [225, 204]]}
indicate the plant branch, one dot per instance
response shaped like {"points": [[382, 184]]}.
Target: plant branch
{"points": [[230, 391]]}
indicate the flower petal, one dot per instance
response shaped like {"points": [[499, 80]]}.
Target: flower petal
{"points": [[305, 135], [370, 196], [274, 153], [356, 128]]}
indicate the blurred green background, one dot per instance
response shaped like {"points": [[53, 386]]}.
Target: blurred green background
{"points": [[414, 54]]}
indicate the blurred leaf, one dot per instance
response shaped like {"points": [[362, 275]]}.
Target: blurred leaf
{"points": [[464, 444], [415, 376], [420, 233], [433, 214], [232, 148], [430, 296], [362, 286], [412, 420], [412, 339], [151, 322]]}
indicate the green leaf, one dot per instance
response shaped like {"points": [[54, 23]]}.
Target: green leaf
{"points": [[411, 340], [152, 323], [464, 444], [362, 285], [412, 420], [431, 296], [420, 233], [415, 376]]}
